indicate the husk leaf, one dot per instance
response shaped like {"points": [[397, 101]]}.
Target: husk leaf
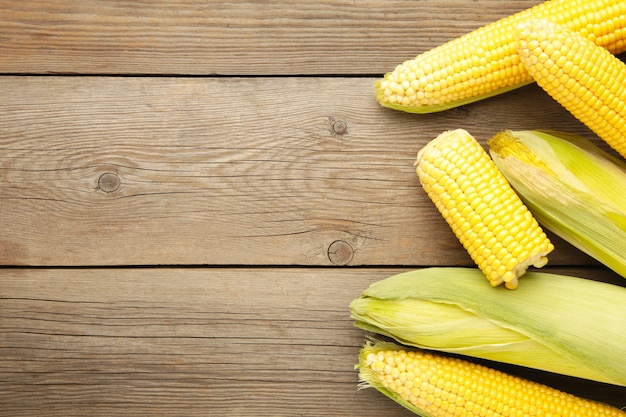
{"points": [[572, 187], [556, 323]]}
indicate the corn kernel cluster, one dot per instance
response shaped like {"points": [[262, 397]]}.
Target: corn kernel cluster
{"points": [[485, 62], [584, 78], [489, 219], [436, 78], [567, 47], [445, 386]]}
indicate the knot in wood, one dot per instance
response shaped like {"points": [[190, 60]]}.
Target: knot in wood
{"points": [[340, 252], [340, 127], [108, 182]]}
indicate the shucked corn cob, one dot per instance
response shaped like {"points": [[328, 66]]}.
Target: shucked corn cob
{"points": [[499, 233], [484, 62], [573, 188], [586, 79], [556, 323], [438, 386]]}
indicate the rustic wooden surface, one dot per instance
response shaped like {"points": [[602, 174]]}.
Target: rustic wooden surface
{"points": [[191, 193]]}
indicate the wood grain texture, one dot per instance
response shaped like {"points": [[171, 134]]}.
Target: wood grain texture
{"points": [[167, 341], [254, 171], [231, 37], [219, 158]]}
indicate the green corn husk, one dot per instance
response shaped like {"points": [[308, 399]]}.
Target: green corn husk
{"points": [[556, 323], [573, 188]]}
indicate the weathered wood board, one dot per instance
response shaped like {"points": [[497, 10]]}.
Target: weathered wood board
{"points": [[191, 193], [136, 171], [192, 341], [214, 37]]}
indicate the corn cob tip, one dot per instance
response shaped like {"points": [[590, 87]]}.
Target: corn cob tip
{"points": [[529, 34], [505, 143], [499, 233], [586, 79], [484, 62], [432, 146]]}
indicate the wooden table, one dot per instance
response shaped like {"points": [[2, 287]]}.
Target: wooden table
{"points": [[191, 193]]}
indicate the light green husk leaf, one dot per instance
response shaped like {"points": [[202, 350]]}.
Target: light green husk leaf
{"points": [[573, 188], [556, 323]]}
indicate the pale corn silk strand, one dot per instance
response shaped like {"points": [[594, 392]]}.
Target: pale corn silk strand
{"points": [[500, 234], [438, 386], [584, 78], [485, 62]]}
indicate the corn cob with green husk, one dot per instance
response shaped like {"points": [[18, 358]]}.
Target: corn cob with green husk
{"points": [[561, 324], [573, 188], [484, 62], [434, 385], [584, 78], [489, 219]]}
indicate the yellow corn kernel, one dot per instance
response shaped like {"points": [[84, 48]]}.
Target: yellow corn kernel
{"points": [[439, 386], [489, 219], [484, 62], [584, 78]]}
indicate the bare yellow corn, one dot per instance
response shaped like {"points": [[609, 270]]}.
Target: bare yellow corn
{"points": [[500, 234], [584, 78], [484, 62], [438, 386]]}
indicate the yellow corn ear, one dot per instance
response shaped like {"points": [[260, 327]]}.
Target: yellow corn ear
{"points": [[572, 187], [500, 234], [584, 78], [439, 386], [536, 326], [484, 62]]}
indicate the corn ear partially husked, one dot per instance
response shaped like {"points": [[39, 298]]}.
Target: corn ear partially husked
{"points": [[556, 323], [583, 77], [434, 385], [484, 62], [574, 189], [489, 219]]}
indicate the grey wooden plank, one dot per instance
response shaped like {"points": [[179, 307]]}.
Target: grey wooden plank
{"points": [[135, 171], [195, 341], [231, 38]]}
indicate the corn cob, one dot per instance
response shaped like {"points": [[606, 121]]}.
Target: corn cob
{"points": [[555, 323], [493, 225], [484, 62], [571, 186], [439, 386], [584, 78]]}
